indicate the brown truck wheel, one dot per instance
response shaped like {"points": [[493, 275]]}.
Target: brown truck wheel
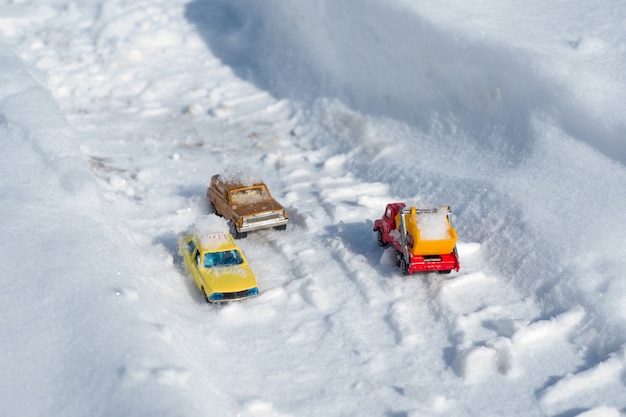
{"points": [[236, 234]]}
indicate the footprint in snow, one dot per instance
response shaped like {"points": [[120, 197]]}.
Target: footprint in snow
{"points": [[163, 332], [310, 293]]}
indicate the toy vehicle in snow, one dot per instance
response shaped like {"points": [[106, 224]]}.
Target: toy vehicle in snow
{"points": [[218, 267], [423, 238], [246, 206]]}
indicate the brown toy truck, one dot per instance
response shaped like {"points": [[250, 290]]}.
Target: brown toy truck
{"points": [[247, 207]]}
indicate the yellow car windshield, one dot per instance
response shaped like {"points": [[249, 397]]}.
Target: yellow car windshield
{"points": [[225, 258]]}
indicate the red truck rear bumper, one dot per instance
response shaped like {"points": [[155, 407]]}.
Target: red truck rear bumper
{"points": [[439, 263]]}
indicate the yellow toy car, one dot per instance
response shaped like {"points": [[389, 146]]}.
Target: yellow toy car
{"points": [[218, 267]]}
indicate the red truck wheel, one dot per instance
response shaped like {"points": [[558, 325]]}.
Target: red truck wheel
{"points": [[399, 257], [404, 266], [381, 241]]}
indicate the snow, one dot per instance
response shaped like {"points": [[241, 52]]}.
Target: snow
{"points": [[241, 175], [115, 114], [434, 226]]}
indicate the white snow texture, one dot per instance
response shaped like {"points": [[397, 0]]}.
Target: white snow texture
{"points": [[115, 114]]}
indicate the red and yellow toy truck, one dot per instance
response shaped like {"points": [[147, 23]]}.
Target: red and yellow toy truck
{"points": [[423, 238]]}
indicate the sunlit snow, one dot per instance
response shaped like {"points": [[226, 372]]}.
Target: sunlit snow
{"points": [[114, 116]]}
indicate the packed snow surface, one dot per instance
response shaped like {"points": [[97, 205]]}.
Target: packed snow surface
{"points": [[114, 116]]}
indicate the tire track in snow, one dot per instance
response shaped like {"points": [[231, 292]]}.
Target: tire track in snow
{"points": [[484, 330], [488, 336], [492, 327], [333, 207]]}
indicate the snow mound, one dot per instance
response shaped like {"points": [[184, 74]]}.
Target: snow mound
{"points": [[212, 231], [434, 226], [241, 175]]}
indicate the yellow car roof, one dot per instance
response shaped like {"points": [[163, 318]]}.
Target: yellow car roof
{"points": [[215, 242], [230, 278]]}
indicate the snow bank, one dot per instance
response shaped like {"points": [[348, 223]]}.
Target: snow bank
{"points": [[439, 80], [70, 316], [413, 71]]}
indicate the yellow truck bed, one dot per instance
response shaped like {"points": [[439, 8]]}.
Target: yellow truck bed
{"points": [[429, 233]]}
